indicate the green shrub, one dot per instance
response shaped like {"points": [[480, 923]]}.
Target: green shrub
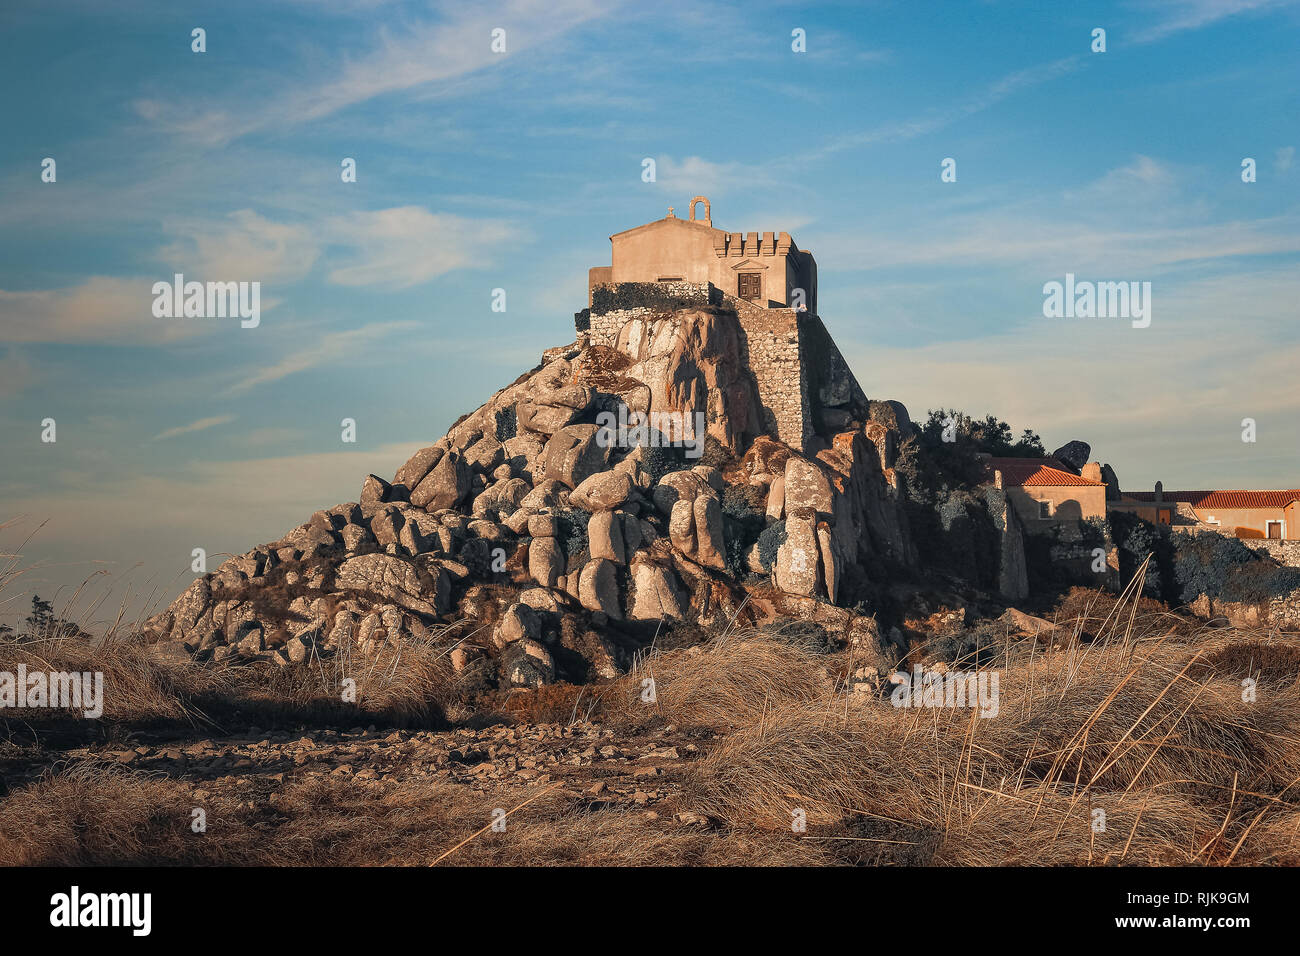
{"points": [[744, 512], [507, 423], [769, 541], [571, 530], [657, 462], [931, 464]]}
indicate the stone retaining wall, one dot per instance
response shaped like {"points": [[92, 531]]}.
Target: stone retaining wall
{"points": [[774, 351], [1284, 552], [791, 354]]}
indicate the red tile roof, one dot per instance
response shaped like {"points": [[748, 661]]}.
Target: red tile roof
{"points": [[1222, 500], [1035, 472]]}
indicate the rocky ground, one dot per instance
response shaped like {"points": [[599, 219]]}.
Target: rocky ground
{"points": [[585, 761], [547, 776]]}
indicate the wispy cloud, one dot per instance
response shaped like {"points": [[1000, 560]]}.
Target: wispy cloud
{"points": [[1041, 243], [695, 175], [328, 348], [203, 424], [1144, 216], [1179, 16], [385, 247], [423, 55], [1143, 173], [939, 118], [1209, 330]]}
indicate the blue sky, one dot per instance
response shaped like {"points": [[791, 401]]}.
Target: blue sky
{"points": [[478, 170]]}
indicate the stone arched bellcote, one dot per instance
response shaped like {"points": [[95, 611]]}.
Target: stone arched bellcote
{"points": [[708, 218]]}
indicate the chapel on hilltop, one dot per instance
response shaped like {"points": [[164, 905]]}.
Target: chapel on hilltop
{"points": [[766, 269], [803, 382]]}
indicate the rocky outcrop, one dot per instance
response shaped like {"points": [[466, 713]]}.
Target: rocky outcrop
{"points": [[1073, 455], [395, 581], [573, 454], [687, 362], [558, 544]]}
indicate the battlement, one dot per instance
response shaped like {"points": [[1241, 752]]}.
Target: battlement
{"points": [[752, 244]]}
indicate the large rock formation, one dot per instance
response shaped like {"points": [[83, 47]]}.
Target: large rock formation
{"points": [[555, 511]]}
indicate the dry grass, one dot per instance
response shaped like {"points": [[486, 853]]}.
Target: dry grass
{"points": [[1184, 769], [136, 688], [732, 680], [399, 685], [95, 816], [92, 815], [1154, 734]]}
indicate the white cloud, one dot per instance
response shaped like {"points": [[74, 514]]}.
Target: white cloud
{"points": [[934, 120], [394, 248], [697, 176], [196, 426], [1143, 174], [407, 245], [1053, 246], [244, 246], [101, 309], [1284, 157], [397, 247]]}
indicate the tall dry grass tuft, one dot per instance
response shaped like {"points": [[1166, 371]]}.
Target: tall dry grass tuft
{"points": [[1275, 839], [732, 679], [137, 687], [410, 681], [1038, 826], [401, 684], [92, 815]]}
